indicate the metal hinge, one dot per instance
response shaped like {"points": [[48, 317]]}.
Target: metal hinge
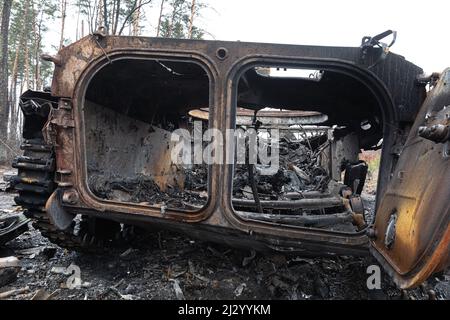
{"points": [[59, 118]]}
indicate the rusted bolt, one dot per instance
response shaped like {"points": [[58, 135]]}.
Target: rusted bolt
{"points": [[437, 133], [446, 151], [66, 105], [55, 59], [70, 196], [222, 53]]}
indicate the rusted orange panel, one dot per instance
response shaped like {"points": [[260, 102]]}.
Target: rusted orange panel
{"points": [[418, 195]]}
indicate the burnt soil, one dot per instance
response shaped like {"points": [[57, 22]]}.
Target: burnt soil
{"points": [[163, 262]]}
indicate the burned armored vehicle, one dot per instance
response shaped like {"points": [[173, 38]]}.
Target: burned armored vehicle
{"points": [[102, 149]]}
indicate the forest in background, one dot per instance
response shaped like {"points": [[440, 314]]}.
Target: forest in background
{"points": [[27, 25]]}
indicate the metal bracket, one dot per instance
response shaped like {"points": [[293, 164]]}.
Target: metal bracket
{"points": [[100, 32], [368, 43], [437, 133], [57, 214], [98, 35], [428, 79]]}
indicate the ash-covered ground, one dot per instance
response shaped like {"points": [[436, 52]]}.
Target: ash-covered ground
{"points": [[170, 266]]}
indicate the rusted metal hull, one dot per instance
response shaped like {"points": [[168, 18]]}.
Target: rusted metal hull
{"points": [[80, 61], [389, 103], [419, 196]]}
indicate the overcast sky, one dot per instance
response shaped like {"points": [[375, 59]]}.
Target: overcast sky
{"points": [[423, 26]]}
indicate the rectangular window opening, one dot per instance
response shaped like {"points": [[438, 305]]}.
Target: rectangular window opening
{"points": [[302, 162], [136, 112]]}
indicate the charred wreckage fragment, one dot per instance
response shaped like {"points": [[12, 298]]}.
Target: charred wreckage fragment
{"points": [[98, 149]]}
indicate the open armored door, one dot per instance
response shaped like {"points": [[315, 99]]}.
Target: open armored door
{"points": [[411, 235]]}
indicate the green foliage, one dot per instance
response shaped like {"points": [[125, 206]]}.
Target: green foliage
{"points": [[30, 20], [175, 23], [118, 13], [372, 158], [29, 23]]}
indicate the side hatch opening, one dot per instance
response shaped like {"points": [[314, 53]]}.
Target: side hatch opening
{"points": [[131, 109], [311, 128]]}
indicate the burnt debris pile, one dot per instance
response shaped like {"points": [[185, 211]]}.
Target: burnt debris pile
{"points": [[300, 171], [145, 191], [301, 192]]}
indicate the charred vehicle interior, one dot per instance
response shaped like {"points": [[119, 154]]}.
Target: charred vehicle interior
{"points": [[319, 146], [101, 150], [150, 100], [129, 117]]}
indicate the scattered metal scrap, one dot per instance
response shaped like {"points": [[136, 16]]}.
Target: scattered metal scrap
{"points": [[11, 226], [12, 221], [9, 268], [306, 190]]}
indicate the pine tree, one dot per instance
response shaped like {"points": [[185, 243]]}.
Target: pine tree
{"points": [[24, 27], [63, 21], [29, 19], [160, 17], [179, 22], [20, 24], [4, 107]]}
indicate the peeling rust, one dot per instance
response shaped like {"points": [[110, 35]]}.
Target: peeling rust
{"points": [[116, 102]]}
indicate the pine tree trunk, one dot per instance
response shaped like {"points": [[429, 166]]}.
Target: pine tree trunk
{"points": [[13, 86], [15, 71], [105, 16], [27, 67], [112, 16], [77, 33], [136, 18], [191, 20], [172, 21], [63, 22], [116, 19], [15, 134], [100, 15], [158, 29], [37, 44], [6, 12]]}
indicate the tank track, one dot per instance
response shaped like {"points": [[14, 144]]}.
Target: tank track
{"points": [[35, 183]]}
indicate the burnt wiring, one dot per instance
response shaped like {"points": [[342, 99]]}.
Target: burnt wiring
{"points": [[169, 69]]}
